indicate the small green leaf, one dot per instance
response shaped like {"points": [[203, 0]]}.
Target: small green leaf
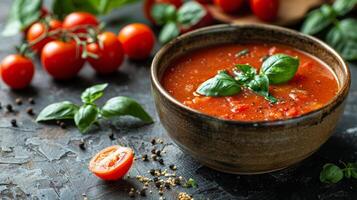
{"points": [[22, 14], [260, 85], [190, 13], [242, 53], [331, 173], [221, 85], [244, 73], [163, 13], [120, 106], [169, 32], [318, 19], [280, 68], [85, 117], [343, 38], [342, 7], [190, 183], [57, 111], [351, 170], [93, 93]]}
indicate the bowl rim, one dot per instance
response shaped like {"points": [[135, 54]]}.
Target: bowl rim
{"points": [[334, 102]]}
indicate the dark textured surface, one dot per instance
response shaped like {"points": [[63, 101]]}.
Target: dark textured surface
{"points": [[40, 161]]}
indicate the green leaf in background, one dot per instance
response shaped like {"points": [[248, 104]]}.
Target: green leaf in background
{"points": [[93, 93], [57, 111], [221, 85], [351, 170], [85, 117], [97, 7], [342, 7], [331, 173], [22, 14], [121, 106], [163, 13], [190, 13], [280, 68], [169, 32], [244, 73], [260, 85], [343, 37], [318, 19]]}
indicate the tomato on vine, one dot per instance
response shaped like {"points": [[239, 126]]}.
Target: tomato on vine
{"points": [[40, 29], [62, 60], [77, 19], [110, 53], [229, 6], [266, 10], [17, 71], [138, 40]]}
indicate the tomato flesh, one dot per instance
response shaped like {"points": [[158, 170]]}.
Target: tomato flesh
{"points": [[112, 163]]}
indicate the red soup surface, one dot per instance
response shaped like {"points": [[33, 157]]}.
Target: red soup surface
{"points": [[312, 87]]}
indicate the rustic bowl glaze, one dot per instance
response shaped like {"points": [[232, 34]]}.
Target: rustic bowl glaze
{"points": [[247, 147]]}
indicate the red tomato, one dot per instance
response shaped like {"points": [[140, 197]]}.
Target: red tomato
{"points": [[38, 29], [204, 1], [112, 163], [229, 6], [62, 60], [138, 40], [17, 71], [43, 13], [76, 19], [110, 56], [148, 4], [266, 10]]}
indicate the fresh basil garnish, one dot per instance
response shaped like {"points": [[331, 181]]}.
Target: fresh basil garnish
{"points": [[120, 106], [57, 111], [280, 68], [169, 32], [190, 13], [85, 117], [221, 85], [163, 13], [318, 19], [260, 85], [244, 73], [331, 173], [344, 38], [93, 93]]}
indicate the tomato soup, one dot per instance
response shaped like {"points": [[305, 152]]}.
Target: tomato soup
{"points": [[313, 85]]}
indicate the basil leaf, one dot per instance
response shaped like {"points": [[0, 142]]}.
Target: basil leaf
{"points": [[280, 68], [331, 173], [191, 183], [318, 19], [260, 85], [221, 85], [244, 73], [85, 117], [169, 32], [242, 53], [342, 7], [93, 93], [22, 14], [120, 106], [105, 6], [343, 38], [56, 111], [163, 13], [190, 13], [351, 170]]}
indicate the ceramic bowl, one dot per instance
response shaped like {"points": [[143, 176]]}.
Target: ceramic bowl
{"points": [[247, 147]]}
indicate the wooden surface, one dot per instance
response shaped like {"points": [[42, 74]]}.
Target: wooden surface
{"points": [[290, 12], [40, 161]]}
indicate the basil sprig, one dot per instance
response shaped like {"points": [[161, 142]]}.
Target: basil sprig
{"points": [[277, 69], [332, 173], [341, 34], [89, 113]]}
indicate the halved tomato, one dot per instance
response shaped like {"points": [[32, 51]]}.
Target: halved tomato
{"points": [[112, 163]]}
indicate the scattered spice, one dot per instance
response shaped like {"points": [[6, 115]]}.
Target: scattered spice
{"points": [[62, 125], [145, 157], [158, 153], [13, 123], [154, 157], [9, 108], [18, 101], [153, 141], [242, 53], [111, 136], [184, 196], [173, 167], [82, 145], [31, 100], [161, 161], [30, 111], [152, 172], [190, 183], [143, 192]]}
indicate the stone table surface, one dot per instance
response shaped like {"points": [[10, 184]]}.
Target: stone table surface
{"points": [[41, 161]]}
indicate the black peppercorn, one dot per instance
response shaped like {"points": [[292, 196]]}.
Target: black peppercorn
{"points": [[152, 172], [13, 123], [9, 108], [153, 151], [177, 181], [82, 145], [62, 125], [153, 141], [155, 179], [31, 100], [158, 152], [145, 157], [154, 157], [143, 192], [158, 184], [111, 136], [161, 161], [173, 167], [30, 111], [167, 185], [18, 101]]}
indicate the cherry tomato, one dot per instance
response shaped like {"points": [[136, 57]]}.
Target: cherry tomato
{"points": [[110, 56], [138, 40], [62, 60], [38, 29], [229, 6], [17, 71], [204, 1], [112, 163], [266, 10], [76, 19], [43, 13], [148, 4]]}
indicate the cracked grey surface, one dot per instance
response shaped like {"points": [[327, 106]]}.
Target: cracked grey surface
{"points": [[40, 161]]}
